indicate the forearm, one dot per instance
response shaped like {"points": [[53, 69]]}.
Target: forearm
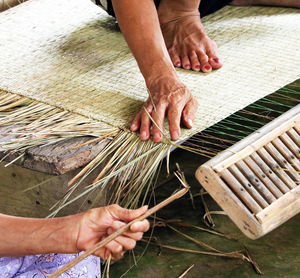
{"points": [[139, 23], [27, 236]]}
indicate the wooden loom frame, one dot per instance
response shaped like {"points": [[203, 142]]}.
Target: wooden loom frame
{"points": [[257, 180]]}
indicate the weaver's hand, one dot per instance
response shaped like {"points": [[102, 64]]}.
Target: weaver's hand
{"points": [[98, 223], [168, 96]]}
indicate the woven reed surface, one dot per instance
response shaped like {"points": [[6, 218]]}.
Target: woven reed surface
{"points": [[70, 55]]}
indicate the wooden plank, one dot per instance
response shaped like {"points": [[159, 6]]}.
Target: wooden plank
{"points": [[235, 209], [56, 159]]}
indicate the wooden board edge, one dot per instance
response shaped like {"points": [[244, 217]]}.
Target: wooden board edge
{"points": [[280, 211]]}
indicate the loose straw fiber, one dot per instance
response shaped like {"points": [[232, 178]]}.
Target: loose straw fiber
{"points": [[68, 54]]}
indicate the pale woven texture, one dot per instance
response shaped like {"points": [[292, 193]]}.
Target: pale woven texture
{"points": [[68, 54]]}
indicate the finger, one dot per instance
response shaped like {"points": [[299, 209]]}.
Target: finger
{"points": [[114, 247], [174, 116], [186, 63], [118, 257], [140, 226], [189, 113], [103, 253], [136, 123], [126, 215], [127, 242], [158, 117], [133, 235], [145, 126]]}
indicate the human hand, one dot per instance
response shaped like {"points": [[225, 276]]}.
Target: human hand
{"points": [[98, 223], [167, 96]]}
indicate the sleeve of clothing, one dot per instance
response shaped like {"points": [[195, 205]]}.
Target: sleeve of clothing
{"points": [[40, 266]]}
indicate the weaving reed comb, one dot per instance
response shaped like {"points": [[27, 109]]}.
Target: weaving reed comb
{"points": [[257, 180]]}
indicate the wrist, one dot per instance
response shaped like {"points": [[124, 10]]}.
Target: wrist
{"points": [[57, 235]]}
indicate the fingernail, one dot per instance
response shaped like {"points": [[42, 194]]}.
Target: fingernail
{"points": [[175, 135], [190, 122], [187, 66], [216, 60], [143, 134], [197, 67], [207, 67], [177, 64], [145, 207], [156, 137]]}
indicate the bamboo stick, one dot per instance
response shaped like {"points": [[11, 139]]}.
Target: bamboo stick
{"points": [[276, 168], [288, 155], [119, 232], [240, 191], [284, 163], [267, 188], [253, 181], [294, 136], [271, 174], [290, 144]]}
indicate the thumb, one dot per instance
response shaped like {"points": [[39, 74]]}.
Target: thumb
{"points": [[127, 215]]}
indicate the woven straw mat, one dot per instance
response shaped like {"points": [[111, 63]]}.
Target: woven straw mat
{"points": [[71, 55]]}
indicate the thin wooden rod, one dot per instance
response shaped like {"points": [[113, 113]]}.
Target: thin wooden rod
{"points": [[235, 185], [290, 144], [288, 155], [254, 176], [250, 186], [119, 232], [284, 163], [270, 173], [276, 168], [294, 136]]}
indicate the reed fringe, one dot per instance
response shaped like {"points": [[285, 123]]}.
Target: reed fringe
{"points": [[128, 165]]}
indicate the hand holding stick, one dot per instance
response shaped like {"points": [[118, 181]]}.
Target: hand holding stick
{"points": [[122, 230]]}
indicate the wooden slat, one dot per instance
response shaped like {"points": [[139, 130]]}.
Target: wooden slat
{"points": [[248, 186], [276, 168], [240, 191], [288, 155], [295, 136], [270, 173], [230, 203], [283, 162], [291, 144], [265, 185]]}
